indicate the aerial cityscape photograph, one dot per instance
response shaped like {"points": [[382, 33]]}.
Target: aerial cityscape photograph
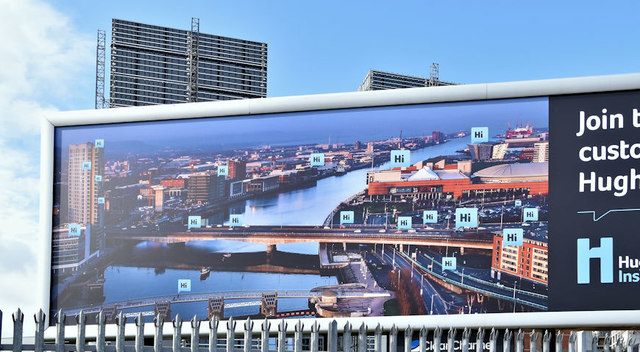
{"points": [[417, 209]]}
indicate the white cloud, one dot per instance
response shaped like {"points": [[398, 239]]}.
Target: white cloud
{"points": [[44, 62]]}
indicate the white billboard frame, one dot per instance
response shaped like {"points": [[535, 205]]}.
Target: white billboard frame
{"points": [[472, 92]]}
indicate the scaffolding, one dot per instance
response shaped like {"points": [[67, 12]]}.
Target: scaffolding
{"points": [[192, 60], [434, 75], [101, 103]]}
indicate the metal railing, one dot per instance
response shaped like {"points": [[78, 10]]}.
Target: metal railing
{"points": [[290, 335]]}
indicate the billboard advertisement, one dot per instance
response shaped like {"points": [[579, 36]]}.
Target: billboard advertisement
{"points": [[504, 206]]}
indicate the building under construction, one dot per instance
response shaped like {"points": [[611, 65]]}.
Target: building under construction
{"points": [[379, 80], [158, 65]]}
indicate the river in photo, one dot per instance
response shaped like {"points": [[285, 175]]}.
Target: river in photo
{"points": [[311, 206]]}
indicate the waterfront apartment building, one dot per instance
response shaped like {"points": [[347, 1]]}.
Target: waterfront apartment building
{"points": [[380, 80], [159, 65], [529, 261], [86, 165]]}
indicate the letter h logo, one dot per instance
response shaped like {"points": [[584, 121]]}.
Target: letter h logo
{"points": [[604, 253]]}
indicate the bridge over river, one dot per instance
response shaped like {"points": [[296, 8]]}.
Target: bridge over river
{"points": [[271, 236]]}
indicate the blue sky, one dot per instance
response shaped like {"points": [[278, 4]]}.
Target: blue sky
{"points": [[47, 62]]}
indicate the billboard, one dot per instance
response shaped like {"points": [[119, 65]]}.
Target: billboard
{"points": [[494, 204]]}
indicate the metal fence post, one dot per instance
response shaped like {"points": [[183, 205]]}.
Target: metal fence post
{"points": [[480, 340], [195, 334], [315, 336], [264, 340], [60, 331], [408, 336], [423, 339], [451, 336], [533, 341], [546, 341], [332, 344], [559, 338], [362, 338], [18, 326], [231, 335], [100, 337], [346, 337], [437, 339], [377, 340], [121, 321], [248, 335], [158, 323], [213, 334], [618, 344], [40, 319], [139, 341], [630, 343], [493, 340], [465, 339], [607, 342], [282, 336], [572, 341], [393, 339], [506, 341], [297, 344], [81, 319], [177, 333], [520, 341]]}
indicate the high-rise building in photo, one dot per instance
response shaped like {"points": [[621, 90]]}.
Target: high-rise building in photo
{"points": [[86, 165], [158, 65], [541, 152], [237, 169], [379, 80]]}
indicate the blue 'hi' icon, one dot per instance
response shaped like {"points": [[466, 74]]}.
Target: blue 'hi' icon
{"points": [[223, 170], [404, 222], [184, 285], [74, 230], [530, 214], [346, 217], [194, 222], [98, 178], [99, 143], [448, 263], [100, 200], [400, 158], [86, 165], [429, 217], [316, 159], [517, 203], [512, 237], [479, 134], [466, 217], [235, 220]]}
